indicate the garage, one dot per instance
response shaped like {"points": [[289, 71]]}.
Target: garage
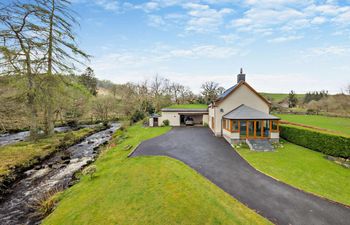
{"points": [[181, 117]]}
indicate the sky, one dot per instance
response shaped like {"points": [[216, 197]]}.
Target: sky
{"points": [[281, 45]]}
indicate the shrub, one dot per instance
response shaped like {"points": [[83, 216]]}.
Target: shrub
{"points": [[137, 116], [206, 124], [166, 123], [67, 140], [328, 144], [44, 205], [90, 170]]}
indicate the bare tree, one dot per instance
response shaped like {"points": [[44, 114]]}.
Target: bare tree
{"points": [[210, 91]]}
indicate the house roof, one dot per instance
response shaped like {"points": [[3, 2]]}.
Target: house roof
{"points": [[235, 87], [185, 110], [227, 92], [244, 112]]}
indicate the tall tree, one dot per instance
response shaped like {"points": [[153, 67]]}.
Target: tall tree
{"points": [[89, 80], [62, 52], [20, 48]]}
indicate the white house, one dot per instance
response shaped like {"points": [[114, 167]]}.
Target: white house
{"points": [[240, 113]]}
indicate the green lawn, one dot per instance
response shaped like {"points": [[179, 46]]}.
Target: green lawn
{"points": [[304, 169], [147, 190], [337, 124], [27, 153], [188, 106]]}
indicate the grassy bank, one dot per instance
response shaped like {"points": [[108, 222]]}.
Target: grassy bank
{"points": [[147, 190], [304, 169], [188, 106], [337, 124], [24, 154]]}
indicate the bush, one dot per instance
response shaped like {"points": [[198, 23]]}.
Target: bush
{"points": [[328, 144], [90, 170], [137, 116], [206, 124], [44, 204], [166, 123], [67, 140]]}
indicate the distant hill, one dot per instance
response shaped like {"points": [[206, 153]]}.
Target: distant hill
{"points": [[279, 97]]}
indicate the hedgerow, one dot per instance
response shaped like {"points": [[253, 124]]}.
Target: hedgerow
{"points": [[329, 144]]}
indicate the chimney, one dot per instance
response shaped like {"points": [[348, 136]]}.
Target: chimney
{"points": [[240, 76]]}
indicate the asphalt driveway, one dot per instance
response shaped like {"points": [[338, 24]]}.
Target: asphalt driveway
{"points": [[215, 159]]}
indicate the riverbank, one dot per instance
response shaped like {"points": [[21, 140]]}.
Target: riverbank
{"points": [[146, 190], [19, 157], [28, 198]]}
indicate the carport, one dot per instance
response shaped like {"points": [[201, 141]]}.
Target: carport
{"points": [[177, 117], [197, 118]]}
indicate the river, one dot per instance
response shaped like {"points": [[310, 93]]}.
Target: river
{"points": [[57, 172]]}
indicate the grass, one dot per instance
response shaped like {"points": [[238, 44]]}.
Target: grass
{"points": [[27, 153], [188, 106], [147, 190], [305, 169], [337, 124], [278, 97]]}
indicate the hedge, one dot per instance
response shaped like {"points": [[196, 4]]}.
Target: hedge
{"points": [[328, 144]]}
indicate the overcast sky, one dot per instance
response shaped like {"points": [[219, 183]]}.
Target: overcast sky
{"points": [[281, 45]]}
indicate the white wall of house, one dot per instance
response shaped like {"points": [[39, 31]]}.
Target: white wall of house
{"points": [[151, 122], [230, 137], [243, 95], [205, 119], [173, 117], [274, 135]]}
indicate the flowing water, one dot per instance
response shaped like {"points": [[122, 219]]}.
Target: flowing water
{"points": [[55, 173], [6, 139]]}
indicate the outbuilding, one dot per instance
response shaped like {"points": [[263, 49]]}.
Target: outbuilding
{"points": [[182, 114]]}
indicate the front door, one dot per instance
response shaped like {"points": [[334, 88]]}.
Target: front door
{"points": [[259, 128]]}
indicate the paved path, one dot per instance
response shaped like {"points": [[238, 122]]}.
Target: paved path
{"points": [[215, 159]]}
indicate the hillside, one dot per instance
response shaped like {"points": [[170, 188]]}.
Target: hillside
{"points": [[278, 97]]}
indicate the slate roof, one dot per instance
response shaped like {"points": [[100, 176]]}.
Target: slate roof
{"points": [[244, 112], [227, 92]]}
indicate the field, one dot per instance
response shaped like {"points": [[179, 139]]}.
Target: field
{"points": [[278, 97], [147, 190], [304, 169], [337, 124], [188, 106]]}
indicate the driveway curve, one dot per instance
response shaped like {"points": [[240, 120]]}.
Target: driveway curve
{"points": [[215, 159]]}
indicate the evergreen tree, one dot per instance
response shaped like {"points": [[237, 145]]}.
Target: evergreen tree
{"points": [[292, 99]]}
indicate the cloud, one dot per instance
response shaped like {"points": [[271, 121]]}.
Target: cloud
{"points": [[327, 51], [203, 18], [156, 21], [285, 39], [205, 51]]}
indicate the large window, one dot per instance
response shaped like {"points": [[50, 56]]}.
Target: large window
{"points": [[274, 125], [234, 126]]}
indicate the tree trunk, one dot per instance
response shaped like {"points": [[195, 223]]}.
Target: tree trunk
{"points": [[49, 122]]}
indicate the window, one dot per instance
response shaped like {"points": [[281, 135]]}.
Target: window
{"points": [[274, 125], [235, 126], [227, 125]]}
